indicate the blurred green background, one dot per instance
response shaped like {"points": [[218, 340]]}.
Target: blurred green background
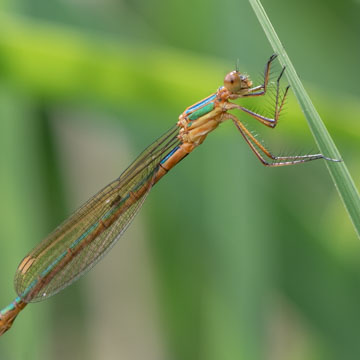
{"points": [[227, 259]]}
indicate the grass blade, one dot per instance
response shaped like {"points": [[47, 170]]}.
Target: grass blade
{"points": [[338, 171]]}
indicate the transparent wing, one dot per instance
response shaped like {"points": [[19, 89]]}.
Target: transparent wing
{"points": [[81, 241]]}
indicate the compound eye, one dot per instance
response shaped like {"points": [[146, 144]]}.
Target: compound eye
{"points": [[232, 81]]}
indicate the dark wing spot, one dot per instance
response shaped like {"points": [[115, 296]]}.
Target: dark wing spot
{"points": [[115, 201]]}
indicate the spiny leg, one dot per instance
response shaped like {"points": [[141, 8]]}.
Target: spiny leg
{"points": [[267, 70], [277, 107], [263, 119], [253, 143], [270, 122], [261, 89]]}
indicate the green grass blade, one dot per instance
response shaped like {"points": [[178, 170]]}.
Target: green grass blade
{"points": [[338, 171]]}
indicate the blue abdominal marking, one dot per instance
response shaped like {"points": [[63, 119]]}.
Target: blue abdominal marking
{"points": [[8, 308], [56, 261], [11, 306], [107, 215], [86, 233], [169, 154], [27, 290]]}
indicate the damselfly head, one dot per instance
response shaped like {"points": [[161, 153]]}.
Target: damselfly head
{"points": [[236, 82]]}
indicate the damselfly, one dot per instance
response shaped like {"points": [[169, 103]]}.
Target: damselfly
{"points": [[83, 239]]}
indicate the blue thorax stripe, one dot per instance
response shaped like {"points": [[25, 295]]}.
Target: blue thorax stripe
{"points": [[201, 103]]}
